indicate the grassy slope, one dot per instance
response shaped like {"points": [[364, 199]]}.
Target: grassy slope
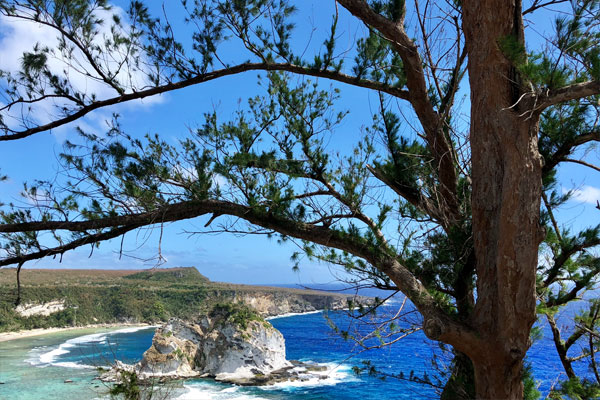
{"points": [[108, 296]]}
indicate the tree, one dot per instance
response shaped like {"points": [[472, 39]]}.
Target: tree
{"points": [[468, 193]]}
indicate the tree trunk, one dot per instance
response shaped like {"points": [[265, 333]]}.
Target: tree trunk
{"points": [[506, 174], [494, 381]]}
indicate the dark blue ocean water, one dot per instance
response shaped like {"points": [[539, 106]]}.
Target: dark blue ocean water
{"points": [[308, 338]]}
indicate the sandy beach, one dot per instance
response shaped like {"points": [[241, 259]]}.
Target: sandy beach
{"points": [[6, 336]]}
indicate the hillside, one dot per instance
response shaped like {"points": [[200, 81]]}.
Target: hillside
{"points": [[62, 297]]}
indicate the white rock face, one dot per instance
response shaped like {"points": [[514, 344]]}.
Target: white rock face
{"points": [[45, 309], [273, 303], [215, 346]]}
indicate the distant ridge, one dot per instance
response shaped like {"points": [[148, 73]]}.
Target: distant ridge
{"points": [[96, 296], [190, 274]]}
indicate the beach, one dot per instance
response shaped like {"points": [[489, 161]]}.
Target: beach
{"points": [[6, 336]]}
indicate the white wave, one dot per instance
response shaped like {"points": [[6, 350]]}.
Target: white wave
{"points": [[48, 358], [133, 329], [334, 374], [212, 391], [292, 314], [39, 357], [70, 364]]}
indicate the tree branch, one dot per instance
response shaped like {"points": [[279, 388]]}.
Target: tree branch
{"points": [[89, 239], [441, 148], [565, 149], [567, 93], [592, 166], [437, 324], [201, 78], [537, 5]]}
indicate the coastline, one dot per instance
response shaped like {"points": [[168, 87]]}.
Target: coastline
{"points": [[8, 336], [292, 314]]}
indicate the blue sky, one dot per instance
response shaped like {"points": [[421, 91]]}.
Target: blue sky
{"points": [[224, 257]]}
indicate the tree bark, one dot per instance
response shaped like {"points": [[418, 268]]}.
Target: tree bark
{"points": [[494, 382], [506, 174]]}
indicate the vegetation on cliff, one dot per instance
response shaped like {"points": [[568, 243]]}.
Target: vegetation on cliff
{"points": [[110, 296]]}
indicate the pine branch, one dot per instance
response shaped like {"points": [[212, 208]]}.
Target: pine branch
{"points": [[201, 78], [437, 323], [441, 148], [566, 148]]}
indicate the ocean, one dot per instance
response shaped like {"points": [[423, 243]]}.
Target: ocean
{"points": [[37, 367]]}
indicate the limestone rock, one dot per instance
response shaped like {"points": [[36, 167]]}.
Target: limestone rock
{"points": [[44, 309], [232, 342]]}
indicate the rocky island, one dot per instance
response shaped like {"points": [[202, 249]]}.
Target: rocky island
{"points": [[233, 343]]}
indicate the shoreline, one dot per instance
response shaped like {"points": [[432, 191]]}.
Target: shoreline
{"points": [[8, 336], [293, 314]]}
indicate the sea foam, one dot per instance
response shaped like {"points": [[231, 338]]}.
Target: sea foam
{"points": [[39, 356], [213, 391], [294, 314], [334, 374]]}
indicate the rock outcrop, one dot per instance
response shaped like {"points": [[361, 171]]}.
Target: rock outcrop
{"points": [[45, 309], [233, 343]]}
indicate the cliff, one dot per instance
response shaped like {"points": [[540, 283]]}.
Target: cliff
{"points": [[232, 343], [60, 298], [273, 303]]}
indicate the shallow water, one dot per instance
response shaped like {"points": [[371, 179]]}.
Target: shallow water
{"points": [[37, 367]]}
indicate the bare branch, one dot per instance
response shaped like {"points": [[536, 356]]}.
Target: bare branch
{"points": [[567, 93], [592, 166], [89, 239], [537, 4]]}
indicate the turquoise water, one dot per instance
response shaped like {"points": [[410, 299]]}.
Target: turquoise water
{"points": [[36, 368]]}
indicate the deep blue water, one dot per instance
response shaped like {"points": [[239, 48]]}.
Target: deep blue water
{"points": [[308, 338]]}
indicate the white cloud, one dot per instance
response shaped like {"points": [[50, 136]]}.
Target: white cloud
{"points": [[18, 36], [220, 181], [587, 194]]}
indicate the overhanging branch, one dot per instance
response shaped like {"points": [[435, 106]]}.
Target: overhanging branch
{"points": [[567, 93], [201, 78], [437, 323]]}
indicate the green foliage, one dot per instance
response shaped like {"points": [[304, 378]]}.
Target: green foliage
{"points": [[108, 301], [237, 313], [530, 386], [127, 388], [576, 389], [374, 51], [187, 275]]}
